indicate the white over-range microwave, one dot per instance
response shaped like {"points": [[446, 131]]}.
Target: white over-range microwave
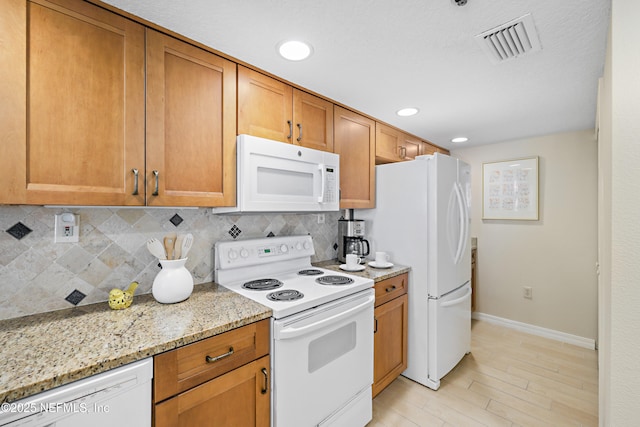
{"points": [[279, 177]]}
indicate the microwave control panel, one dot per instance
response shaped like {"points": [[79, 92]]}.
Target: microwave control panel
{"points": [[330, 194]]}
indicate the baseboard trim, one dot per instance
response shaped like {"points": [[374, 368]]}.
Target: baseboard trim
{"points": [[537, 330]]}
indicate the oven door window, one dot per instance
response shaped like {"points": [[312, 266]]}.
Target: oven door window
{"points": [[332, 346]]}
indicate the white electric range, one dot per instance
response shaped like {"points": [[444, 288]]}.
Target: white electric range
{"points": [[321, 329]]}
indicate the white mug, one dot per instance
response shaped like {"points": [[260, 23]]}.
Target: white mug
{"points": [[353, 260], [382, 258]]}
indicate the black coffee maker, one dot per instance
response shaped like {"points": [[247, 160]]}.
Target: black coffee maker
{"points": [[351, 237]]}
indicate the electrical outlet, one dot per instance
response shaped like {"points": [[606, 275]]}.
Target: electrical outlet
{"points": [[67, 228], [527, 292], [320, 218]]}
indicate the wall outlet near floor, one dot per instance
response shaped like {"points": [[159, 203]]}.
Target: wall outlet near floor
{"points": [[320, 218], [67, 228], [527, 292]]}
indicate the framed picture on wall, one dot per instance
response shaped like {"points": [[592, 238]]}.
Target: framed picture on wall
{"points": [[510, 189]]}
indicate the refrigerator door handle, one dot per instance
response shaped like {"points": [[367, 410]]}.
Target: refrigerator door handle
{"points": [[457, 300], [462, 241]]}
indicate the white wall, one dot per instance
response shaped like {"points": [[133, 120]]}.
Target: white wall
{"points": [[556, 255], [620, 131]]}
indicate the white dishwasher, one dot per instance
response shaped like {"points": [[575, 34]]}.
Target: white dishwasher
{"points": [[121, 396]]}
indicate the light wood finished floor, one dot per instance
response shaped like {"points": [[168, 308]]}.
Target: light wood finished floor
{"points": [[509, 379]]}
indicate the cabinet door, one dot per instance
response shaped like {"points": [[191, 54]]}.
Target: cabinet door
{"points": [[313, 120], [354, 141], [388, 142], [409, 147], [238, 398], [390, 342], [84, 106], [264, 106], [426, 148], [191, 103]]}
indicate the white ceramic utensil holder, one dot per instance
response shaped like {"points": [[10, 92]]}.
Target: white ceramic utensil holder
{"points": [[173, 283]]}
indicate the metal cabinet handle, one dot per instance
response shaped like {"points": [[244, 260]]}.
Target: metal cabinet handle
{"points": [[135, 183], [156, 174], [300, 130], [290, 129], [391, 288], [375, 325], [222, 356], [403, 152], [266, 381]]}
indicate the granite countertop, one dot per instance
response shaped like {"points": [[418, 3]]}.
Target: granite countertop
{"points": [[377, 274], [46, 350]]}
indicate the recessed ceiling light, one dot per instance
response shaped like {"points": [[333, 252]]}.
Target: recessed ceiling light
{"points": [[405, 112], [460, 139], [294, 50]]}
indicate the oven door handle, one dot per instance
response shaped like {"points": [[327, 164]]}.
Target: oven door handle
{"points": [[292, 332]]}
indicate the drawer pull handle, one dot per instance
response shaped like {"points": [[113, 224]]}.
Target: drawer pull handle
{"points": [[266, 381], [222, 356], [135, 184], [391, 288]]}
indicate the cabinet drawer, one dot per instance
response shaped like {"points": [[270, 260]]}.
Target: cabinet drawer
{"points": [[391, 288], [183, 368]]}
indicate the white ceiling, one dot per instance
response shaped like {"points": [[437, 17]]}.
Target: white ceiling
{"points": [[378, 56]]}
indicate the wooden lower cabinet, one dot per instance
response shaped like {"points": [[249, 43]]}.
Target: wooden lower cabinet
{"points": [[390, 332], [238, 398], [224, 380]]}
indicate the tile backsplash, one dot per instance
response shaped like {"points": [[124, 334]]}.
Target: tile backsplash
{"points": [[38, 275]]}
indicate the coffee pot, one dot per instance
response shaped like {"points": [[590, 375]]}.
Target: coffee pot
{"points": [[351, 238], [356, 245]]}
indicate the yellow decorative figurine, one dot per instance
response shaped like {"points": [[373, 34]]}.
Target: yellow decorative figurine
{"points": [[119, 299]]}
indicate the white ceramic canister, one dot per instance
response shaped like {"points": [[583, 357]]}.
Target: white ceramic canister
{"points": [[173, 283]]}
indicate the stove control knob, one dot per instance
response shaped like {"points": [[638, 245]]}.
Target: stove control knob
{"points": [[307, 245], [232, 254], [244, 253], [298, 246], [284, 248]]}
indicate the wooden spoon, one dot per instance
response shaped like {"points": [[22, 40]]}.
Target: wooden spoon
{"points": [[170, 244]]}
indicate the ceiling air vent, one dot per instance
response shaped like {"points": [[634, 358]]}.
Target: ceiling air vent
{"points": [[510, 40]]}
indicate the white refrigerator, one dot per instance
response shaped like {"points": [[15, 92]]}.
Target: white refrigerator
{"points": [[422, 220]]}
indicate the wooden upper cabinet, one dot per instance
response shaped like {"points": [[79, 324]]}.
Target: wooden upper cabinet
{"points": [[272, 109], [388, 141], [313, 120], [264, 106], [393, 145], [428, 148], [409, 147], [191, 125], [84, 105], [355, 143], [78, 133]]}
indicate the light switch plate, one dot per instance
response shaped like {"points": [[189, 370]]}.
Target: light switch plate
{"points": [[67, 228]]}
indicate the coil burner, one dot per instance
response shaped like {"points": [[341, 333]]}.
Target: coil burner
{"points": [[263, 284], [334, 280], [285, 295], [310, 272]]}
